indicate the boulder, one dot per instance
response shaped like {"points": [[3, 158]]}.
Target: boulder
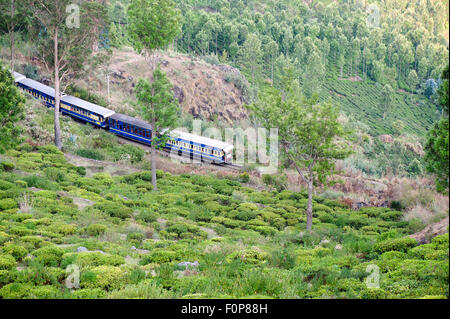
{"points": [[386, 138]]}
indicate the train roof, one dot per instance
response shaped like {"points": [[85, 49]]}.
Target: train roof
{"points": [[17, 76], [38, 86], [201, 140], [131, 120], [97, 109]]}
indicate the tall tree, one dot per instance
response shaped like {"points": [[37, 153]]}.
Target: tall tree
{"points": [[11, 110], [437, 146], [153, 25], [66, 40], [310, 135], [251, 55], [158, 106], [11, 13]]}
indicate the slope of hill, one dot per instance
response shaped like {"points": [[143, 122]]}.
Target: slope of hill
{"points": [[198, 237], [204, 90]]}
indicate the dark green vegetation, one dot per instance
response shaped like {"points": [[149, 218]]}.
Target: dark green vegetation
{"points": [[310, 135], [437, 146], [383, 79], [11, 111], [334, 48], [247, 243], [154, 24]]}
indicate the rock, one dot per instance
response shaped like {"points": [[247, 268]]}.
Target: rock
{"points": [[133, 248], [188, 264], [386, 138], [338, 247], [324, 241], [82, 249], [432, 230], [178, 93]]}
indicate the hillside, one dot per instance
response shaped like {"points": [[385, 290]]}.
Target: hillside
{"points": [[202, 89], [199, 237], [352, 211]]}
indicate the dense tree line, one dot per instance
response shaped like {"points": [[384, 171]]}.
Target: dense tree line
{"points": [[404, 46]]}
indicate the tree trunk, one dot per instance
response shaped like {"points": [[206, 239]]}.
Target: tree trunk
{"points": [[155, 187], [58, 141], [12, 34], [309, 210], [11, 38]]}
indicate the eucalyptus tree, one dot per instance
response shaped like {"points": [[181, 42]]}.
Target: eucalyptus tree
{"points": [[153, 25], [310, 135], [65, 40], [12, 12]]}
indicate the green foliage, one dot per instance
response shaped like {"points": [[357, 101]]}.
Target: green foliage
{"points": [[153, 24], [114, 209], [49, 255], [7, 262], [96, 229], [311, 130], [11, 111], [104, 277], [398, 244]]}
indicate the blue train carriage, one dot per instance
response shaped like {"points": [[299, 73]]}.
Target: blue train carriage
{"points": [[85, 111], [130, 128], [37, 90], [199, 147]]}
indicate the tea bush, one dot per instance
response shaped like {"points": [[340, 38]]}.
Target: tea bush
{"points": [[248, 243]]}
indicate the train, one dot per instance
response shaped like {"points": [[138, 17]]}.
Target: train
{"points": [[179, 143]]}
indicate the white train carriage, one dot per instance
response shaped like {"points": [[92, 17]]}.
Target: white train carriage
{"points": [[199, 147]]}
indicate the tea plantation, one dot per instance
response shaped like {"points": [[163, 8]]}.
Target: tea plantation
{"points": [[129, 242]]}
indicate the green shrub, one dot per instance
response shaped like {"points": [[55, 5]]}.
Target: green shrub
{"points": [[135, 236], [7, 262], [5, 185], [244, 177], [91, 258], [398, 244], [114, 209], [146, 289], [137, 275], [49, 255], [96, 229], [8, 203], [147, 216], [159, 257], [7, 166], [105, 277], [44, 292], [250, 256], [93, 293], [15, 291], [18, 252], [94, 154], [20, 231], [283, 258]]}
